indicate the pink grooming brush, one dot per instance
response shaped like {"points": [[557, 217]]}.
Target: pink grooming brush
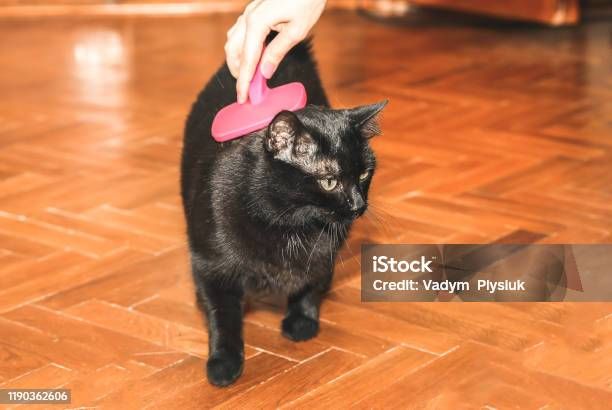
{"points": [[237, 120]]}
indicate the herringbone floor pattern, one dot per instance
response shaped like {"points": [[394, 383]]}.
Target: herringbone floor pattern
{"points": [[491, 134]]}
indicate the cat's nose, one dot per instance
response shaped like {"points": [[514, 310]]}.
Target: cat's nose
{"points": [[357, 212], [356, 203]]}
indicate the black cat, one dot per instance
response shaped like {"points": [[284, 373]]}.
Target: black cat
{"points": [[269, 211]]}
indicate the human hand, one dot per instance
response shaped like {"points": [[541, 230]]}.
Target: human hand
{"points": [[293, 20]]}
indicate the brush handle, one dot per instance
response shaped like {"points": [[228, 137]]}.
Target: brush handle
{"points": [[258, 87]]}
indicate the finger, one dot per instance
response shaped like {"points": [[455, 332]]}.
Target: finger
{"points": [[232, 29], [278, 27], [278, 48], [255, 34], [252, 6], [232, 58], [233, 46]]}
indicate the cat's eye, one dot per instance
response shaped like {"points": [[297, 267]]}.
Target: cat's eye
{"points": [[364, 176], [328, 183]]}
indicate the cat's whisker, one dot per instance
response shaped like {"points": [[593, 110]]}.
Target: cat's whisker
{"points": [[331, 252], [344, 231], [292, 245], [339, 238], [299, 242], [303, 245], [378, 219], [368, 214], [283, 253], [338, 233], [280, 215], [313, 249], [374, 212], [381, 210]]}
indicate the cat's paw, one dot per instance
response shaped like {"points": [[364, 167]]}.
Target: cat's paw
{"points": [[298, 327], [224, 368]]}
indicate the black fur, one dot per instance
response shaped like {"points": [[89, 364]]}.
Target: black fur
{"points": [[258, 216]]}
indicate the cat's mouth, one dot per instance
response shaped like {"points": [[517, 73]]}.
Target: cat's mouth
{"points": [[359, 212], [350, 215]]}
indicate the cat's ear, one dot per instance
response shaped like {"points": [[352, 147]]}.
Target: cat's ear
{"points": [[365, 118], [286, 137]]}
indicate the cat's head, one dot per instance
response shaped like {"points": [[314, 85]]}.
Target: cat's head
{"points": [[322, 160]]}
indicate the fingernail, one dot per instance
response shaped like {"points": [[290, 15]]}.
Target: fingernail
{"points": [[267, 69], [240, 99]]}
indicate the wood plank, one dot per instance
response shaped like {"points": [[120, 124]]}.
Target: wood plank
{"points": [[108, 343], [470, 363], [366, 379], [297, 381], [203, 395]]}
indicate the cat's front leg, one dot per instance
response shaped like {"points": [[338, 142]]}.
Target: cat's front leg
{"points": [[302, 319], [222, 305]]}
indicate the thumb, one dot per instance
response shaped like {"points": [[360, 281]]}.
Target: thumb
{"points": [[277, 49]]}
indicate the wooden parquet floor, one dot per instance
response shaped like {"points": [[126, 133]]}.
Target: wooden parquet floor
{"points": [[491, 134]]}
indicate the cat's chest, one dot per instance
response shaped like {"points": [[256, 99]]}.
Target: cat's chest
{"points": [[276, 278], [291, 263]]}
